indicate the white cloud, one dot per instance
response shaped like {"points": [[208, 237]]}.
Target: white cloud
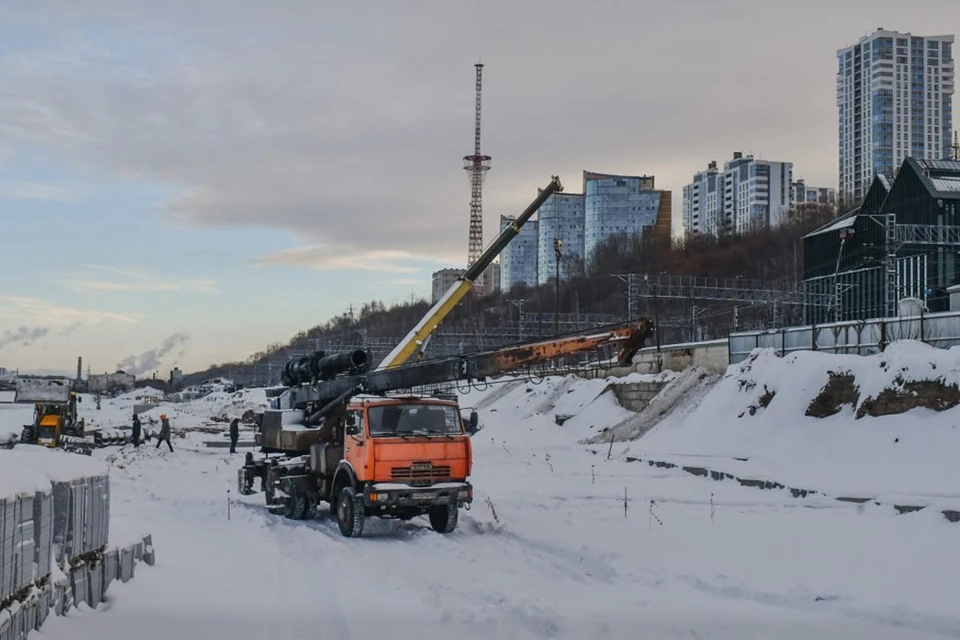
{"points": [[39, 191], [406, 281], [136, 279], [326, 258], [33, 311]]}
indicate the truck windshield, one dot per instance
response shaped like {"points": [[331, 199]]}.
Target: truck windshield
{"points": [[413, 419]]}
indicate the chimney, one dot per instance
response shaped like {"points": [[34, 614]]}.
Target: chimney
{"points": [[79, 367]]}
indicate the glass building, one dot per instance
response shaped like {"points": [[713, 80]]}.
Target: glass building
{"points": [[518, 260], [894, 100], [617, 205], [561, 216]]}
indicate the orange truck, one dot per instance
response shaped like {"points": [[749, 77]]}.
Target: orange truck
{"points": [[367, 445]]}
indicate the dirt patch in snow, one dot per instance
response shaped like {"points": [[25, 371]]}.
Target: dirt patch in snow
{"points": [[841, 390], [930, 394]]}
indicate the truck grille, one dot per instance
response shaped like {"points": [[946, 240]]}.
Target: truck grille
{"points": [[421, 472]]}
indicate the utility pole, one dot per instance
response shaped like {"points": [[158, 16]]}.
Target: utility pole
{"points": [[631, 296], [656, 311], [557, 250]]}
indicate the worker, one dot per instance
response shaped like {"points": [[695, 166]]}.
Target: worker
{"points": [[136, 431], [234, 434], [164, 432]]}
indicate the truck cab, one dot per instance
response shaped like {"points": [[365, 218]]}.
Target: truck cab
{"points": [[404, 457]]}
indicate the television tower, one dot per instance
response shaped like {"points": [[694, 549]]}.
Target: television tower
{"points": [[478, 165]]}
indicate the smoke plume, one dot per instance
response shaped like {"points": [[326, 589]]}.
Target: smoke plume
{"points": [[23, 336], [150, 360]]}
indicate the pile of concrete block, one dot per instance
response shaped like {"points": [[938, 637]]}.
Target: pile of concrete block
{"points": [[54, 537]]}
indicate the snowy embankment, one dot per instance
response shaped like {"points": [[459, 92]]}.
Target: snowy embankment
{"points": [[760, 422], [561, 541]]}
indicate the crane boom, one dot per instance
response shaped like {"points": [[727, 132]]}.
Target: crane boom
{"points": [[456, 293], [475, 366]]}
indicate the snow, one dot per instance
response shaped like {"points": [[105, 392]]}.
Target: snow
{"points": [[547, 549], [908, 457]]}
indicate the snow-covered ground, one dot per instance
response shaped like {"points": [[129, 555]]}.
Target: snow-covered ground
{"points": [[907, 458], [548, 549]]}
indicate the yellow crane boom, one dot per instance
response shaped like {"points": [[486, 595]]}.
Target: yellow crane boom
{"points": [[458, 291]]}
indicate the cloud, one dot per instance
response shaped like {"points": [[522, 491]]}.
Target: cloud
{"points": [[136, 279], [39, 312], [151, 360], [66, 331], [346, 130], [327, 258], [23, 336], [39, 191], [405, 281]]}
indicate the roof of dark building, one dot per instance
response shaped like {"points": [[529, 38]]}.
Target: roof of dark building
{"points": [[940, 177]]}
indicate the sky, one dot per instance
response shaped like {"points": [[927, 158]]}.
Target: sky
{"points": [[184, 183]]}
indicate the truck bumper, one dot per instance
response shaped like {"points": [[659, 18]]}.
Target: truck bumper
{"points": [[392, 495]]}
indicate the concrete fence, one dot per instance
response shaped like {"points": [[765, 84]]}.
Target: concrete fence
{"points": [[54, 537]]}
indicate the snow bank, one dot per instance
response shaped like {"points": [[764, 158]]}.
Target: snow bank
{"points": [[757, 422]]}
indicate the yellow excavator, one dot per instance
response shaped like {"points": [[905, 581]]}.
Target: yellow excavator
{"points": [[55, 419]]}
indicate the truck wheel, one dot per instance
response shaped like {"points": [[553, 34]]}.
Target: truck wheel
{"points": [[443, 519], [26, 436], [296, 507], [350, 515], [311, 511]]}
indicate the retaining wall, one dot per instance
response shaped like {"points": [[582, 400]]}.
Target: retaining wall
{"points": [[636, 395], [714, 356]]}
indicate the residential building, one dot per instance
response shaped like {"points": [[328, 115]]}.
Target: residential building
{"points": [[560, 218], [518, 261], [703, 202], [895, 100], [618, 205], [490, 284], [804, 194], [845, 260], [749, 194], [443, 280]]}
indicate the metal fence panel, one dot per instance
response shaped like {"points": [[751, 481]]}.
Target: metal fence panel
{"points": [[941, 330]]}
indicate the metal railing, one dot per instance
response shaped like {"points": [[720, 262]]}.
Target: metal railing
{"points": [[861, 337]]}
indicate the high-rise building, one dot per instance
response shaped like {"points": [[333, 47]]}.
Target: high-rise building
{"points": [[560, 217], [895, 100], [518, 261], [703, 202], [616, 205], [749, 194]]}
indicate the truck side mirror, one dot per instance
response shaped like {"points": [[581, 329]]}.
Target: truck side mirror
{"points": [[352, 430], [474, 424]]}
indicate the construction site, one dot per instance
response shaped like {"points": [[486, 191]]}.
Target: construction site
{"points": [[600, 453]]}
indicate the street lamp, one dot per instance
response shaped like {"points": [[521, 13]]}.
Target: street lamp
{"points": [[558, 252]]}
